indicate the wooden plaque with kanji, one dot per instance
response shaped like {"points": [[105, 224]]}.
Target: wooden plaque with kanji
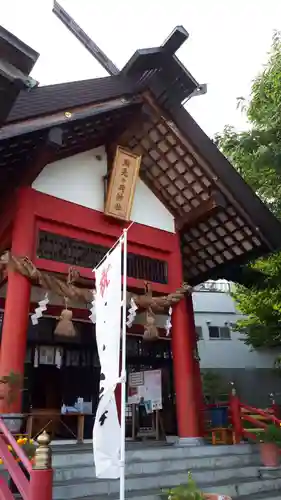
{"points": [[122, 185]]}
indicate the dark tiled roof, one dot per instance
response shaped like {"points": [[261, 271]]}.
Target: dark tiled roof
{"points": [[53, 98], [169, 81]]}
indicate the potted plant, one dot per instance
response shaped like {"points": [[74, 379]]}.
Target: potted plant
{"points": [[11, 384], [214, 387], [270, 444], [190, 491]]}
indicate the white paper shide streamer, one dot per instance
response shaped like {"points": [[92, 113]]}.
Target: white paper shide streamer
{"points": [[42, 307], [132, 313], [168, 324], [92, 316], [106, 432]]}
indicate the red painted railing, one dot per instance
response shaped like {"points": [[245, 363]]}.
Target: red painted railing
{"points": [[5, 492], [39, 484], [240, 413]]}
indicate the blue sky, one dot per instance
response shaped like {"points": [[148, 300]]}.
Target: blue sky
{"points": [[228, 44]]}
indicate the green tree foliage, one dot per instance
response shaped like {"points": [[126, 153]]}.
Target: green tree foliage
{"points": [[262, 305], [256, 154]]}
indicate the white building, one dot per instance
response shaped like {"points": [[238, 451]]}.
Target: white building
{"points": [[223, 350]]}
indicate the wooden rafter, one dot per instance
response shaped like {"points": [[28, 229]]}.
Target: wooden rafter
{"points": [[204, 211], [43, 154], [213, 229]]}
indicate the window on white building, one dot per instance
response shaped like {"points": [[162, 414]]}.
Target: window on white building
{"points": [[219, 332], [199, 333]]}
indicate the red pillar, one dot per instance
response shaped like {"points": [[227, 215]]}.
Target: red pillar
{"points": [[41, 484], [14, 333], [196, 366], [183, 358]]}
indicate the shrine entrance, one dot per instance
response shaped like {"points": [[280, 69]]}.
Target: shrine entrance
{"points": [[60, 371]]}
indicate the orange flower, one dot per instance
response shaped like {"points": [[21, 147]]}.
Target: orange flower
{"points": [[22, 440]]}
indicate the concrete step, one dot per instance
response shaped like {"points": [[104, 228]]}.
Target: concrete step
{"points": [[262, 496], [229, 470], [74, 488], [84, 456], [236, 489], [87, 471]]}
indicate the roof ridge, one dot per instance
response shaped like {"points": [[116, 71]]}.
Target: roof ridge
{"points": [[75, 82], [49, 99]]}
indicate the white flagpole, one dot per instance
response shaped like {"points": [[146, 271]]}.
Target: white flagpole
{"points": [[123, 370]]}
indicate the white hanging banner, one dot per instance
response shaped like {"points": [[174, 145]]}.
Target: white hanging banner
{"points": [[108, 300]]}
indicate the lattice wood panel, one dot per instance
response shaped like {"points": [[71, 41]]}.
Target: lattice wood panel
{"points": [[170, 167], [219, 239], [176, 175]]}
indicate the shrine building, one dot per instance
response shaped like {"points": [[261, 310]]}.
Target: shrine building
{"points": [[81, 161]]}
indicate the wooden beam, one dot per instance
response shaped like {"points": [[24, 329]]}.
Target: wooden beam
{"points": [[175, 40], [80, 34], [16, 62], [44, 154], [204, 211]]}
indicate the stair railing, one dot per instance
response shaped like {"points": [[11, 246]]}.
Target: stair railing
{"points": [[240, 413], [40, 482]]}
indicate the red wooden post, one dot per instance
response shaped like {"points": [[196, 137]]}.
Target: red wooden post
{"points": [[41, 484], [13, 344], [235, 412], [41, 476], [197, 373], [183, 360]]}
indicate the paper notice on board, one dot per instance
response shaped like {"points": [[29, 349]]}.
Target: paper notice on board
{"points": [[136, 379], [149, 391], [153, 388]]}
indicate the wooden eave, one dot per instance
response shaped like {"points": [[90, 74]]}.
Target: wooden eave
{"points": [[65, 117], [221, 221], [16, 62], [24, 144], [50, 99], [17, 52]]}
